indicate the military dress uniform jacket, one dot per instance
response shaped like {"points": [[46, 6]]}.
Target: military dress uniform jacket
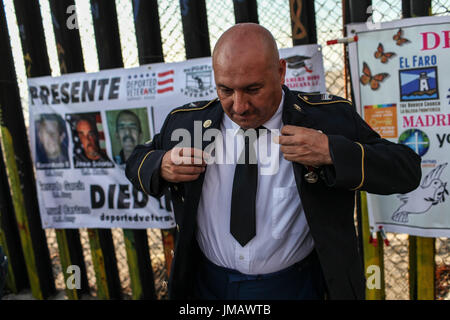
{"points": [[361, 161]]}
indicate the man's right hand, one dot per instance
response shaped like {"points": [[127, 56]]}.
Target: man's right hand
{"points": [[183, 165]]}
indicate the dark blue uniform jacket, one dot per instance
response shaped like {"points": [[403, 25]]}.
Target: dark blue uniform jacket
{"points": [[362, 161]]}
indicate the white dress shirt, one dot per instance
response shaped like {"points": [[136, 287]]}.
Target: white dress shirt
{"points": [[282, 232]]}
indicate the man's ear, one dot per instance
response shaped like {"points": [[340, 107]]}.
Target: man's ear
{"points": [[282, 70]]}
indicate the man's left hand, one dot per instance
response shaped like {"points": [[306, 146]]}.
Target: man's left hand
{"points": [[303, 145]]}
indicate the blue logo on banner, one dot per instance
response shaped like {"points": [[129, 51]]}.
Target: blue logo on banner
{"points": [[418, 84], [416, 140]]}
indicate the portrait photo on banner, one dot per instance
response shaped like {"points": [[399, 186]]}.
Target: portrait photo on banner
{"points": [[127, 128], [89, 146], [52, 142]]}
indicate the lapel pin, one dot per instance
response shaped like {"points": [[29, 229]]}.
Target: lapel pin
{"points": [[311, 177], [207, 124], [326, 96], [297, 107]]}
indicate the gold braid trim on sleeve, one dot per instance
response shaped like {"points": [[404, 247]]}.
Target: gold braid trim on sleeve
{"points": [[362, 167]]}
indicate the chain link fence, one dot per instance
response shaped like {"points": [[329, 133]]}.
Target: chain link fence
{"points": [[330, 26], [171, 31], [275, 16], [440, 7]]}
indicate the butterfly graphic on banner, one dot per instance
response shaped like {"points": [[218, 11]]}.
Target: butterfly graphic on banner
{"points": [[398, 38], [374, 81], [383, 56]]}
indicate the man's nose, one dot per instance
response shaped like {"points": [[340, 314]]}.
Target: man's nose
{"points": [[240, 104]]}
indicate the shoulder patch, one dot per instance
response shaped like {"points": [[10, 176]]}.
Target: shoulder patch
{"points": [[194, 106], [317, 99]]}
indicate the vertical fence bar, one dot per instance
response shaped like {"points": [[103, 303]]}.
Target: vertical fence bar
{"points": [[416, 8], [358, 10], [148, 35], [421, 268], [17, 278], [412, 267], [245, 11], [195, 28], [303, 22], [347, 80], [420, 8], [422, 250], [373, 257], [106, 31], [406, 9], [8, 153], [18, 160], [425, 268], [70, 58], [148, 31]]}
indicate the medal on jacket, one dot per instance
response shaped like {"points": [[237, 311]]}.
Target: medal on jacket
{"points": [[311, 176]]}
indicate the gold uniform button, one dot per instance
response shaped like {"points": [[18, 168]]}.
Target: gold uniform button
{"points": [[207, 124]]}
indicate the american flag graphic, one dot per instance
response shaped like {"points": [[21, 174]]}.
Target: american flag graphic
{"points": [[101, 133], [165, 81]]}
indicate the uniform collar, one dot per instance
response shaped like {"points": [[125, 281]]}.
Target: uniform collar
{"points": [[296, 111]]}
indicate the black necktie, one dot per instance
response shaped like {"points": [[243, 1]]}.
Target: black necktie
{"points": [[243, 198]]}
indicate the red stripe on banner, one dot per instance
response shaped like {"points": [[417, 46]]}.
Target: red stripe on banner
{"points": [[161, 83], [165, 90], [163, 74]]}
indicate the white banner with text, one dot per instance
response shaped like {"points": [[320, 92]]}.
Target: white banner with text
{"points": [[84, 126], [402, 90]]}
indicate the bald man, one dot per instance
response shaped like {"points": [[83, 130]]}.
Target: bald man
{"points": [[267, 225]]}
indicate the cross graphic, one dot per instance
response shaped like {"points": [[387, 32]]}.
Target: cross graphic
{"points": [[415, 144]]}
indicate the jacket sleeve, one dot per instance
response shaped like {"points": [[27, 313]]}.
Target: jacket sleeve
{"points": [[371, 163], [143, 166]]}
